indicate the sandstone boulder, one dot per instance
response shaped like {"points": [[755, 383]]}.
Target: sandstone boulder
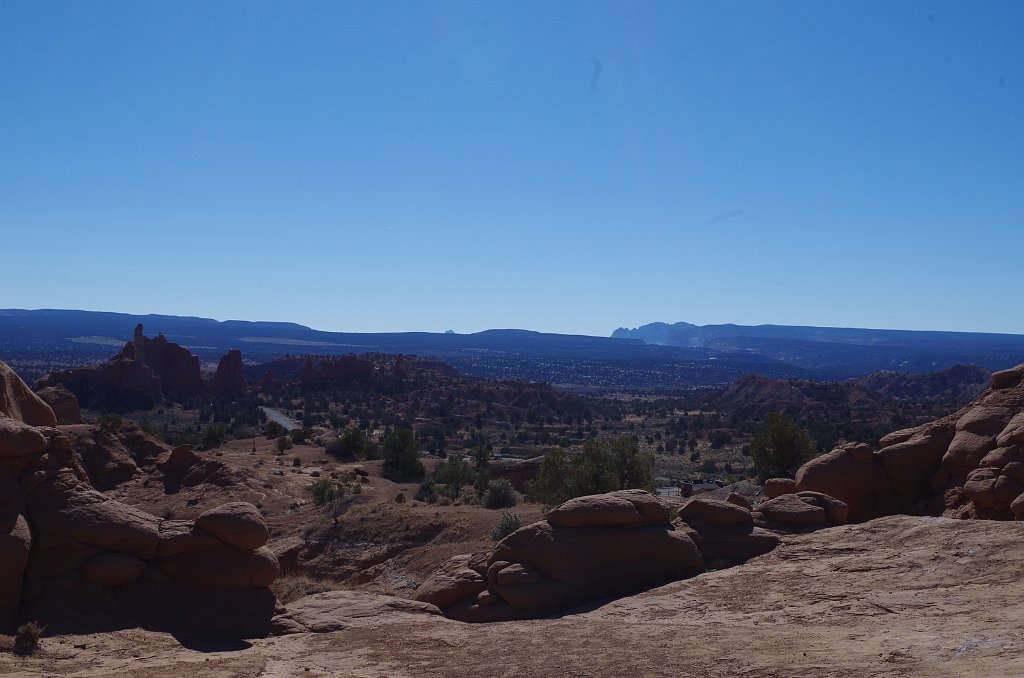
{"points": [[739, 500], [18, 402], [18, 439], [63, 403], [795, 510], [775, 487], [700, 511], [733, 545], [604, 546], [624, 507], [1013, 432], [113, 569], [107, 462], [851, 473], [237, 523], [183, 536], [910, 464], [65, 510], [980, 487], [1007, 378], [450, 583], [224, 567]]}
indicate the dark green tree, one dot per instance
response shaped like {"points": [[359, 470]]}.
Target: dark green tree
{"points": [[780, 447], [633, 467], [454, 473], [594, 469], [351, 443], [481, 462], [401, 454], [551, 486]]}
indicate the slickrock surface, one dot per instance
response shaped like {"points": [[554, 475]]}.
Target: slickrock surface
{"points": [[897, 596]]}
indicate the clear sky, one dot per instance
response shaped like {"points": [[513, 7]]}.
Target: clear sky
{"points": [[557, 166]]}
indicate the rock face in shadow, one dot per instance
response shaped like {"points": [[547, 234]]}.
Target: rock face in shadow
{"points": [[63, 403], [138, 377], [966, 465], [77, 561], [230, 375]]}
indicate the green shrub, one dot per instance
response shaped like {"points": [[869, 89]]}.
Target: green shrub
{"points": [[296, 462], [26, 640], [401, 455], [425, 492], [108, 423], [325, 491], [506, 525], [214, 435], [284, 443], [272, 429], [400, 499], [603, 465], [351, 443], [500, 494]]}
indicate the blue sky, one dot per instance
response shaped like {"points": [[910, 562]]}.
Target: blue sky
{"points": [[565, 167]]}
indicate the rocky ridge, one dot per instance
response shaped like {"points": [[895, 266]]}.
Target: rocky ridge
{"points": [[969, 464], [72, 558]]}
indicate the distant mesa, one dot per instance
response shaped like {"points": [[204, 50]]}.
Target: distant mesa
{"points": [[838, 351]]}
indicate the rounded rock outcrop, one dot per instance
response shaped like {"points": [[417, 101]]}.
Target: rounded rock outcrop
{"points": [[238, 523]]}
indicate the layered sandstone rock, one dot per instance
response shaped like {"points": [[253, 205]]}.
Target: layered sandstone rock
{"points": [[589, 548], [965, 465], [63, 403], [18, 402], [138, 377], [75, 560]]}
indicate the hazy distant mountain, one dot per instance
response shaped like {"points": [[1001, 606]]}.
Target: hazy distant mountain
{"points": [[655, 356], [42, 340], [842, 352]]}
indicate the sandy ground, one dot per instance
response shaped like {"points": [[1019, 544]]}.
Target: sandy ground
{"points": [[898, 596]]}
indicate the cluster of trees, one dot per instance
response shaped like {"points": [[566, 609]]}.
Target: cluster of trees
{"points": [[780, 447], [603, 465]]}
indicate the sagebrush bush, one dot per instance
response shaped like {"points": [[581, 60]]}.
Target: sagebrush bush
{"points": [[325, 491], [425, 492], [500, 494], [506, 525], [26, 640]]}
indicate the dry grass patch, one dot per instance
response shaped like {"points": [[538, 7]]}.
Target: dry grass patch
{"points": [[294, 585]]}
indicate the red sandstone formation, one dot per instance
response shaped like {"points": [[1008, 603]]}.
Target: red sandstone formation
{"points": [[73, 559], [335, 370], [969, 464], [230, 376], [63, 403], [139, 376]]}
